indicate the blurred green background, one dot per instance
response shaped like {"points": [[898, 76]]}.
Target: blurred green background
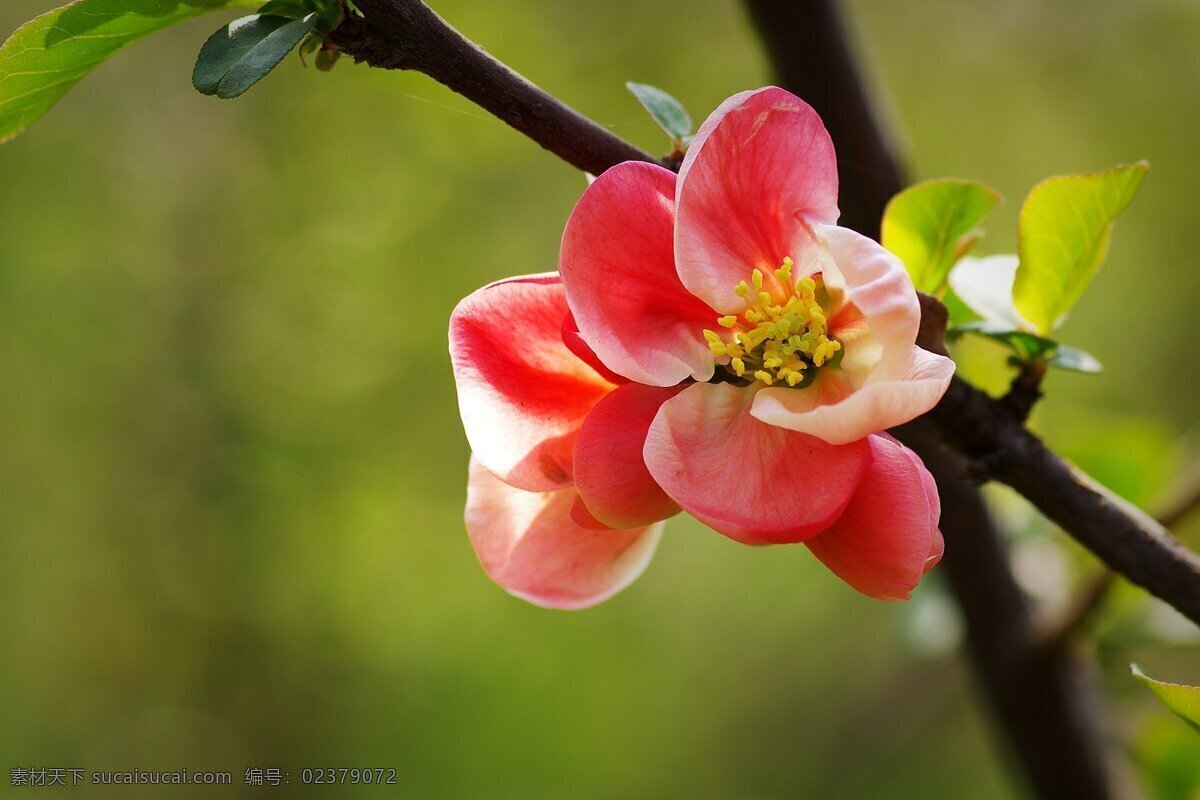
{"points": [[232, 471]]}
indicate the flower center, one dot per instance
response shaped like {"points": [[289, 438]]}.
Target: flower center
{"points": [[776, 339]]}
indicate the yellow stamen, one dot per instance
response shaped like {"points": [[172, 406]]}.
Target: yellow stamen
{"points": [[778, 337]]}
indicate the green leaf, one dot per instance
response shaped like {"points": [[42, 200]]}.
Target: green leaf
{"points": [[667, 112], [1183, 700], [292, 9], [985, 286], [1074, 359], [1027, 346], [1065, 227], [931, 225], [44, 58], [244, 51]]}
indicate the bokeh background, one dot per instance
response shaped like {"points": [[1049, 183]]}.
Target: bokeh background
{"points": [[232, 471]]}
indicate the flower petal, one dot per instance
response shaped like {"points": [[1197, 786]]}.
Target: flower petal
{"points": [[521, 392], [875, 282], [874, 407], [618, 265], [888, 536], [755, 483], [610, 471], [985, 285], [576, 344], [760, 171], [529, 543]]}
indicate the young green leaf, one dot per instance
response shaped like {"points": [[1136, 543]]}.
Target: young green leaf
{"points": [[1065, 227], [667, 112], [1025, 345], [244, 51], [985, 286], [1183, 700], [931, 225], [292, 9], [44, 58], [1074, 359]]}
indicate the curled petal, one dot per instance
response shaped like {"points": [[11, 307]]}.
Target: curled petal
{"points": [[760, 172], [576, 344], [618, 265], [521, 392], [839, 416], [875, 282], [888, 536], [531, 544], [610, 471], [755, 483]]}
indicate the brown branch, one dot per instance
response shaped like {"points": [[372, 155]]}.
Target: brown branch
{"points": [[1125, 538], [407, 34], [1026, 389], [1090, 599], [1044, 701]]}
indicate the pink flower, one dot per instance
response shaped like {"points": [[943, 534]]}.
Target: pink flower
{"points": [[712, 342]]}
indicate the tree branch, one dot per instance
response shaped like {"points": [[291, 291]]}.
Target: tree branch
{"points": [[1125, 538], [1090, 599], [1044, 701], [407, 34]]}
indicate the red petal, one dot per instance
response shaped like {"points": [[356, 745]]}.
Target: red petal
{"points": [[618, 265], [522, 394], [529, 543], [753, 482], [610, 471], [576, 344], [888, 536], [760, 171]]}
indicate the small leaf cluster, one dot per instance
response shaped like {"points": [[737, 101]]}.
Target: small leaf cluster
{"points": [[241, 53], [1018, 300], [47, 56], [667, 112]]}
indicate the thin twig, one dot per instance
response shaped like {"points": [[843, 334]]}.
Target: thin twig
{"points": [[407, 34], [1026, 389]]}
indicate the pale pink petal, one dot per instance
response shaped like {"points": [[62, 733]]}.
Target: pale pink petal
{"points": [[760, 172], [610, 471], [618, 265], [530, 544], [888, 536], [875, 282], [873, 407], [521, 392], [755, 483]]}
